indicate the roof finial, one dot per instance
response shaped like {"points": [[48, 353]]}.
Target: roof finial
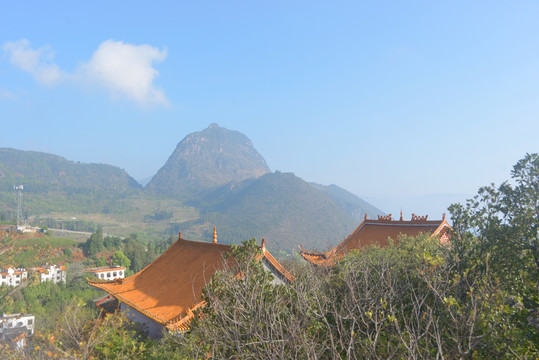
{"points": [[419, 218], [180, 235], [263, 245], [214, 235], [401, 216], [365, 215], [443, 216]]}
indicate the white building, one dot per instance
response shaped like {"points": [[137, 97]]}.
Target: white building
{"points": [[25, 229], [108, 272], [54, 273], [14, 328], [12, 276]]}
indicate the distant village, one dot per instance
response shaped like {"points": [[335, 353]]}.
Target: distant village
{"points": [[16, 328]]}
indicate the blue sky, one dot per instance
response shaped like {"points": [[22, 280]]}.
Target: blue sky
{"points": [[390, 100]]}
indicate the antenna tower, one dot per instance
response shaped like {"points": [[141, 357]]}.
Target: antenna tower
{"points": [[19, 189]]}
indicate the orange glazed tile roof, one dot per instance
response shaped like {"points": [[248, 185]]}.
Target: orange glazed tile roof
{"points": [[108, 303], [275, 264], [170, 288], [371, 232]]}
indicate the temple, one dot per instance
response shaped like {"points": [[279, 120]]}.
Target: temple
{"points": [[164, 294], [378, 232]]}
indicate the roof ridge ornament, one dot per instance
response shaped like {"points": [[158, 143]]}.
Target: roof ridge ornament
{"points": [[401, 219], [419, 218], [386, 218], [215, 235], [179, 235], [263, 246]]}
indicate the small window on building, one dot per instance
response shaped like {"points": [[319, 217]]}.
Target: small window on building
{"points": [[114, 274], [30, 321], [3, 276]]}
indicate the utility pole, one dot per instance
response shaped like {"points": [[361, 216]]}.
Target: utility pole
{"points": [[19, 189]]}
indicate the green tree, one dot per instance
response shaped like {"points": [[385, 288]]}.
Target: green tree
{"points": [[101, 261], [112, 242], [245, 316], [496, 236], [95, 243], [119, 258]]}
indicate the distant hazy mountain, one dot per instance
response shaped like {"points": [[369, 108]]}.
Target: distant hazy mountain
{"points": [[353, 205], [41, 172], [144, 181], [205, 159], [281, 207]]}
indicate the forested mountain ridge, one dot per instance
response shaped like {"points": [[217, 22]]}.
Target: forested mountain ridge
{"points": [[41, 173], [205, 159], [281, 207], [352, 204]]}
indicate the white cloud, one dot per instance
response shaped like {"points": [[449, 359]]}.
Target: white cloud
{"points": [[125, 70], [7, 95], [35, 61]]}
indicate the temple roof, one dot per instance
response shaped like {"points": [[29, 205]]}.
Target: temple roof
{"points": [[108, 303], [377, 232], [170, 288]]}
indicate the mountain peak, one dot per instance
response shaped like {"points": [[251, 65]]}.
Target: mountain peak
{"points": [[208, 158]]}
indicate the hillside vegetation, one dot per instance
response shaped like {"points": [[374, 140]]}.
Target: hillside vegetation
{"points": [[44, 173], [353, 205], [281, 207]]}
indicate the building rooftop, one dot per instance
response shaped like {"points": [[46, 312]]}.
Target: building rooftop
{"points": [[170, 288], [105, 268], [377, 232], [45, 269], [13, 316]]}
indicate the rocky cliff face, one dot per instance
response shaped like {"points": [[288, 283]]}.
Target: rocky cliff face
{"points": [[205, 159]]}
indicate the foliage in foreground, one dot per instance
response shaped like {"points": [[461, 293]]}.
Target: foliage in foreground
{"points": [[474, 298], [405, 301]]}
